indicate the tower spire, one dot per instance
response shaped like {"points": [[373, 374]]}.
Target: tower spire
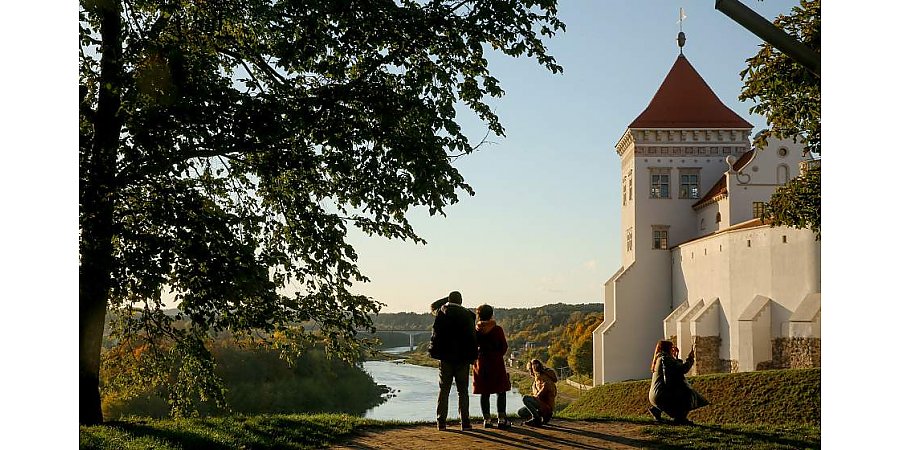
{"points": [[681, 37]]}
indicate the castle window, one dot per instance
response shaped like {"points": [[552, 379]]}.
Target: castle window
{"points": [[630, 186], [759, 209], [659, 182], [628, 240], [702, 224], [623, 194], [689, 186], [718, 217], [783, 174], [660, 237]]}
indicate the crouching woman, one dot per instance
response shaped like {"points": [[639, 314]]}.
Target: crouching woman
{"points": [[538, 409], [669, 390]]}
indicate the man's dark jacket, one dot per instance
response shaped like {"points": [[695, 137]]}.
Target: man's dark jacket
{"points": [[453, 335]]}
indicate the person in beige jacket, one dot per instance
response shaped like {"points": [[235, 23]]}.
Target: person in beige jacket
{"points": [[538, 409]]}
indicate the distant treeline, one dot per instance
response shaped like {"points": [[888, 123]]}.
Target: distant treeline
{"points": [[552, 315], [558, 334]]}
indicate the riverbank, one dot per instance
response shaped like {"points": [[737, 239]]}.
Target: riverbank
{"points": [[414, 392], [520, 379], [417, 358]]}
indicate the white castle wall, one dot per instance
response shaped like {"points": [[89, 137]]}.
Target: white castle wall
{"points": [[782, 264], [638, 298], [759, 179]]}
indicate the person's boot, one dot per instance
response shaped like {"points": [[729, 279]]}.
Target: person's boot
{"points": [[656, 413], [533, 422], [488, 423], [682, 421], [465, 424], [503, 423], [441, 425]]}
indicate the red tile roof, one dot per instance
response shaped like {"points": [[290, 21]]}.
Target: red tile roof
{"points": [[721, 188], [684, 100]]}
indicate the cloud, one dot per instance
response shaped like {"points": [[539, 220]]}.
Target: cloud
{"points": [[555, 284]]}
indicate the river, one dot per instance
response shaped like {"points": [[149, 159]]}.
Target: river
{"points": [[415, 390]]}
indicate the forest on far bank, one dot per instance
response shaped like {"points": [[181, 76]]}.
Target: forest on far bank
{"points": [[558, 334]]}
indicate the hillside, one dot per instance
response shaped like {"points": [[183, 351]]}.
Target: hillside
{"points": [[772, 397], [556, 314], [557, 334]]}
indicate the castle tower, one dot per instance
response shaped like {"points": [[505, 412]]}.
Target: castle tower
{"points": [[671, 154]]}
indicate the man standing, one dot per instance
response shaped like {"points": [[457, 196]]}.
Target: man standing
{"points": [[453, 343]]}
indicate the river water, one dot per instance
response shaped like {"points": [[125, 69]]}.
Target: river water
{"points": [[415, 390]]}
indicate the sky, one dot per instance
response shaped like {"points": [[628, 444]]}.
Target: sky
{"points": [[544, 224], [544, 215]]}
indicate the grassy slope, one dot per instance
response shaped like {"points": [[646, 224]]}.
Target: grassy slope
{"points": [[258, 432], [773, 397], [768, 410]]}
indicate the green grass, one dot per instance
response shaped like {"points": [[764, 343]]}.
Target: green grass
{"points": [[735, 436], [234, 432], [771, 397], [777, 409]]}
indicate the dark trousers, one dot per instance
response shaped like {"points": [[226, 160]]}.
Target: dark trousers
{"points": [[486, 406], [450, 372], [532, 408]]}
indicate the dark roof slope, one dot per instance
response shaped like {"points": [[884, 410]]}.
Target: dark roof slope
{"points": [[684, 100]]}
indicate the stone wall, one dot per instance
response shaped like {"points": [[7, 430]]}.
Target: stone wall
{"points": [[766, 365], [730, 365], [706, 355], [796, 353]]}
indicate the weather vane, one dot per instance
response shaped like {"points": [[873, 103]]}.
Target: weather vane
{"points": [[681, 37]]}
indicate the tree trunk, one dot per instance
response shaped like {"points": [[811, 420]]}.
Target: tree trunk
{"points": [[97, 196]]}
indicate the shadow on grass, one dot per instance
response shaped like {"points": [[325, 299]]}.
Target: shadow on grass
{"points": [[704, 436], [713, 436], [251, 432]]}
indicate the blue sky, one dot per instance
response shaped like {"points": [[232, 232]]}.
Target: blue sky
{"points": [[543, 226]]}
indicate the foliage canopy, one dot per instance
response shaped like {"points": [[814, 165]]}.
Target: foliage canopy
{"points": [[784, 92], [798, 203], [790, 98], [226, 146]]}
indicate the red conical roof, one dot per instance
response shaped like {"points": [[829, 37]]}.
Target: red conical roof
{"points": [[684, 100]]}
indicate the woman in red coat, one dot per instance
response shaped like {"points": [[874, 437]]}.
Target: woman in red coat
{"points": [[490, 375]]}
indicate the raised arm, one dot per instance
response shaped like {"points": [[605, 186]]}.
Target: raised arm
{"points": [[689, 362]]}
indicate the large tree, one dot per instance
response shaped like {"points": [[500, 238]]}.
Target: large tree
{"points": [[790, 98], [227, 145]]}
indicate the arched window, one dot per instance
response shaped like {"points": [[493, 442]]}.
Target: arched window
{"points": [[702, 224], [782, 173], [718, 217]]}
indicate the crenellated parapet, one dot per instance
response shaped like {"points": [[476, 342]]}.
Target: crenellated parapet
{"points": [[684, 142], [625, 142]]}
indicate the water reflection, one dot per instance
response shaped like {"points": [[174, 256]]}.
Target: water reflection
{"points": [[415, 391]]}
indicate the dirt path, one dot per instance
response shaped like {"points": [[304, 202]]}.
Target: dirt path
{"points": [[560, 434]]}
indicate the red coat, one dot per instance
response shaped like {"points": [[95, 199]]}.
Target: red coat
{"points": [[489, 374]]}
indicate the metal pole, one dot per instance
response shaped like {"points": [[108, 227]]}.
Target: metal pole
{"points": [[771, 34]]}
